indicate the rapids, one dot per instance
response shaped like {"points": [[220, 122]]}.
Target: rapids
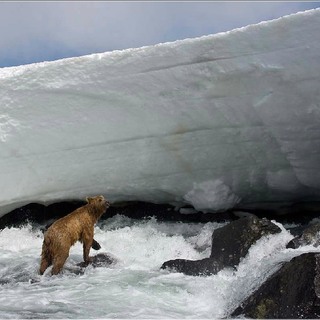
{"points": [[133, 287]]}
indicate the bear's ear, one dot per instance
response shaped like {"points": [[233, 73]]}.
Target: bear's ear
{"points": [[100, 198], [89, 199]]}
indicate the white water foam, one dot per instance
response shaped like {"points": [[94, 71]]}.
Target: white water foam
{"points": [[135, 287]]}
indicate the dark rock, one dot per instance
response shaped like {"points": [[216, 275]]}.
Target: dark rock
{"points": [[103, 260], [100, 260], [60, 209], [164, 212], [292, 292], [38, 213], [41, 214], [233, 241], [204, 267], [229, 244], [33, 212], [310, 235], [284, 212]]}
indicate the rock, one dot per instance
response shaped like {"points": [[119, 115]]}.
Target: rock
{"points": [[165, 212], [204, 267], [100, 260], [38, 213], [60, 209], [33, 212], [104, 260], [233, 241], [284, 212], [229, 244], [46, 215], [310, 235], [292, 292]]}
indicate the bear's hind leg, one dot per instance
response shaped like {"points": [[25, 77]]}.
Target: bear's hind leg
{"points": [[46, 258], [58, 263], [45, 263]]}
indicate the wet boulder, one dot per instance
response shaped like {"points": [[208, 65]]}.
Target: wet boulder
{"points": [[32, 212], [203, 267], [310, 235], [233, 241], [292, 292], [100, 260], [229, 244]]}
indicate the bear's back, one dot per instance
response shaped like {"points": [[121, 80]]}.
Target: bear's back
{"points": [[69, 229]]}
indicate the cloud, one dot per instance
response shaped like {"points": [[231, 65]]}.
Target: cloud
{"points": [[36, 31]]}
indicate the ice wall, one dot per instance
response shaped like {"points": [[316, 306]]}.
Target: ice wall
{"points": [[213, 121]]}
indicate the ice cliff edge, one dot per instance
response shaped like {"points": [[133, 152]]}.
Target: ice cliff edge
{"points": [[212, 121]]}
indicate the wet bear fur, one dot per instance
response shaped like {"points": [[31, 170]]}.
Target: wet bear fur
{"points": [[65, 232]]}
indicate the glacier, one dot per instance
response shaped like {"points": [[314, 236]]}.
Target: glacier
{"points": [[215, 122]]}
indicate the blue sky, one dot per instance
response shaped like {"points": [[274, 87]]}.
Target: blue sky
{"points": [[43, 31]]}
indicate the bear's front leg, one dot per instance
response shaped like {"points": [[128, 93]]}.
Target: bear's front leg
{"points": [[86, 250], [87, 243]]}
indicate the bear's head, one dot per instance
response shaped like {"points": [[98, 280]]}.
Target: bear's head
{"points": [[99, 202]]}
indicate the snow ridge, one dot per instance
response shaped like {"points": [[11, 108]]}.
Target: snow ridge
{"points": [[234, 116]]}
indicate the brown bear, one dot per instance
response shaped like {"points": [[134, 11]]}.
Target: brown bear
{"points": [[65, 232]]}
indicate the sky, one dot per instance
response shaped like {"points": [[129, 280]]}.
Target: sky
{"points": [[39, 31]]}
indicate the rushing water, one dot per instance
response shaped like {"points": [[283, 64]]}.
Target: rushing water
{"points": [[133, 287]]}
